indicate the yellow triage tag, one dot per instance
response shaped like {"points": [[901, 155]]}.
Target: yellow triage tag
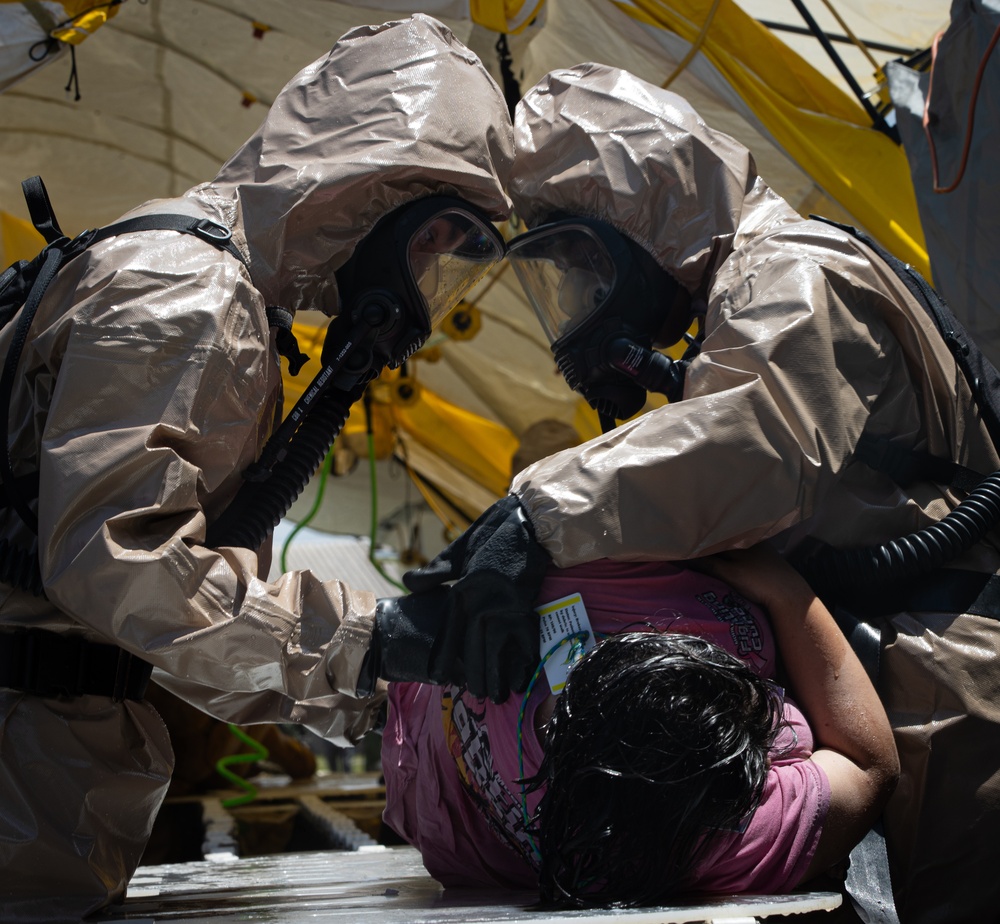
{"points": [[559, 619]]}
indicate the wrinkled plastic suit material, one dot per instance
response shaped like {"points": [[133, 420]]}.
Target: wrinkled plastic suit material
{"points": [[808, 343], [148, 386]]}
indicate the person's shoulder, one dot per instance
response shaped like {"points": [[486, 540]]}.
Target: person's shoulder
{"points": [[773, 847], [168, 286], [794, 740], [802, 241]]}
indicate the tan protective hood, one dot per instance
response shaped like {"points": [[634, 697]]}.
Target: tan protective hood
{"points": [[668, 181], [393, 113]]}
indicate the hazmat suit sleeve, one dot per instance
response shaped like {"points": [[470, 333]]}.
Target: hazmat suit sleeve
{"points": [[802, 353], [162, 393]]}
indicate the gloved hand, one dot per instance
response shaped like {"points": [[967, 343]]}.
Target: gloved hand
{"points": [[501, 541], [403, 638], [415, 639], [492, 628]]}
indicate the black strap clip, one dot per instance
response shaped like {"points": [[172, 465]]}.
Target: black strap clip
{"points": [[131, 677], [288, 346]]}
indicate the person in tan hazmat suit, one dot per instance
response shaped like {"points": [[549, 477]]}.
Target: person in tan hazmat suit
{"points": [[147, 386], [812, 351]]}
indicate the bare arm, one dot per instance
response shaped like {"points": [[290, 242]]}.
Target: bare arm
{"points": [[855, 745]]}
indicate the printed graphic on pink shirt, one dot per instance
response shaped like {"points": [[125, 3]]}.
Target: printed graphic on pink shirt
{"points": [[467, 735], [743, 627]]}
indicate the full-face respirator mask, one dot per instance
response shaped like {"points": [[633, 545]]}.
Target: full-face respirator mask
{"points": [[601, 299], [416, 264]]}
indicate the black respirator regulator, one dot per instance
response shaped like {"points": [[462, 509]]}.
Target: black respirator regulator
{"points": [[601, 299], [415, 265]]}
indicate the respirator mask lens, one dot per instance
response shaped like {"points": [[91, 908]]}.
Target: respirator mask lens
{"points": [[601, 298], [566, 272], [447, 255]]}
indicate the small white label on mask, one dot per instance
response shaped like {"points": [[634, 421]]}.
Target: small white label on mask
{"points": [[563, 619]]}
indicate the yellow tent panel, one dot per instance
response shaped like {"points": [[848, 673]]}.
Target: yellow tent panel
{"points": [[18, 239], [822, 129]]}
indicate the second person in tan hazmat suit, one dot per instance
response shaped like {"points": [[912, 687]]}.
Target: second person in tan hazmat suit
{"points": [[815, 358], [147, 384]]}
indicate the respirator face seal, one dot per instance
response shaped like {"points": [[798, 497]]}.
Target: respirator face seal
{"points": [[601, 299], [415, 266]]}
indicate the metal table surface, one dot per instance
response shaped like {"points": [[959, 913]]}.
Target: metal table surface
{"points": [[387, 885]]}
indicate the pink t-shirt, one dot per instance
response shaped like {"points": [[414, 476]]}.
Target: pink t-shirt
{"points": [[450, 760]]}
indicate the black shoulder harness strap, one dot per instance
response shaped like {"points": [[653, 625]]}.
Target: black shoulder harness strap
{"points": [[44, 219]]}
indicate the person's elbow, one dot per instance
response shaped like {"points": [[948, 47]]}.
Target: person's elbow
{"points": [[884, 774], [858, 793]]}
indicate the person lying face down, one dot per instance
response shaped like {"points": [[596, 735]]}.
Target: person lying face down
{"points": [[670, 763], [656, 755]]}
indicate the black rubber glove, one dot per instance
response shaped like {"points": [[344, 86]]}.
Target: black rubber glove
{"points": [[415, 639], [498, 633], [492, 628], [501, 541], [403, 638]]}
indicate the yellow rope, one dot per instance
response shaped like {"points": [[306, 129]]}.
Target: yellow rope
{"points": [[695, 47], [847, 31]]}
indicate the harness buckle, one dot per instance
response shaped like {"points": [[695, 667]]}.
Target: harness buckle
{"points": [[131, 677], [212, 230]]}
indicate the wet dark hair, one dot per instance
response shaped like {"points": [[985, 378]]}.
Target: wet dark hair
{"points": [[657, 742]]}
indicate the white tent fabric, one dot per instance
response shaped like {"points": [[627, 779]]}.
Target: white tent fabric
{"points": [[169, 90]]}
